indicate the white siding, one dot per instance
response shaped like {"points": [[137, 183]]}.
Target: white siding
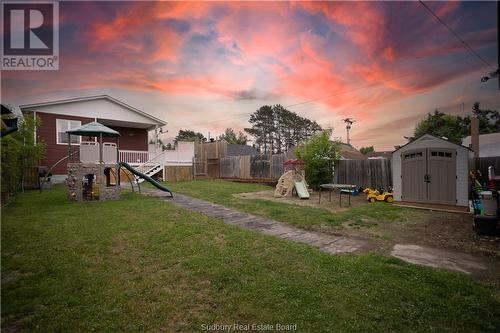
{"points": [[428, 141], [396, 175]]}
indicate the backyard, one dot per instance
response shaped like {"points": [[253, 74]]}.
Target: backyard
{"points": [[143, 264]]}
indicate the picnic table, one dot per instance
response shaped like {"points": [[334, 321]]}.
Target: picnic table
{"points": [[332, 187]]}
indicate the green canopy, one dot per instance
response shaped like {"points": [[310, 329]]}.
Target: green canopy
{"points": [[94, 129]]}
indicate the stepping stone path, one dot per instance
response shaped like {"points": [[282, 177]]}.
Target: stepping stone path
{"points": [[327, 243]]}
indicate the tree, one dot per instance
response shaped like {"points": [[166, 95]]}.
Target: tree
{"points": [[455, 128], [442, 125], [189, 135], [489, 120], [278, 129], [366, 150], [262, 128], [231, 137], [320, 154], [19, 152]]}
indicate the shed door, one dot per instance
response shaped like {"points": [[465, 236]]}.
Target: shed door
{"points": [[442, 175], [414, 167]]}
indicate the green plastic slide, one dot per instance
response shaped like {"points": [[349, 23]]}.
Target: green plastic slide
{"points": [[145, 177]]}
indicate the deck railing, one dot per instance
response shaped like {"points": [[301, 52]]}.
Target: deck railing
{"points": [[134, 156]]}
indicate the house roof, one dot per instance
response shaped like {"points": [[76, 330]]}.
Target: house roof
{"points": [[429, 136], [240, 150], [94, 129], [489, 144], [379, 154], [6, 110], [27, 107], [348, 152]]}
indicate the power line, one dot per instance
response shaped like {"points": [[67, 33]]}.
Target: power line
{"points": [[366, 86], [464, 43]]}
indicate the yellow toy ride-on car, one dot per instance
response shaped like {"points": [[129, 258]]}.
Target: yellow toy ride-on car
{"points": [[376, 195]]}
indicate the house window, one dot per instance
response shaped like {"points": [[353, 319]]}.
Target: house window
{"points": [[63, 125]]}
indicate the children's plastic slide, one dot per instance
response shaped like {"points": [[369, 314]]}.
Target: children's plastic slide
{"points": [[301, 189], [145, 177]]}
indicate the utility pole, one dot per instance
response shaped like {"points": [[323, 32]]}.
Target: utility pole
{"points": [[348, 124]]}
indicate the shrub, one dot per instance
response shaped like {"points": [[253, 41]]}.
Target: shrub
{"points": [[19, 152], [319, 153]]}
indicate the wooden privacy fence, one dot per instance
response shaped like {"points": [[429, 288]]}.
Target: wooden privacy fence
{"points": [[252, 167], [374, 173], [364, 173]]}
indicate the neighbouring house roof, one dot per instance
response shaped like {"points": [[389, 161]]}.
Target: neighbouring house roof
{"points": [[6, 110], [348, 152], [94, 129], [152, 119], [8, 125], [379, 154], [489, 144], [240, 150]]}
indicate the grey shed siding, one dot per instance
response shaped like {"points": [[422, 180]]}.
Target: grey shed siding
{"points": [[428, 141]]}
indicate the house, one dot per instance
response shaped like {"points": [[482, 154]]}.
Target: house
{"points": [[134, 126], [240, 150], [9, 123], [348, 152], [489, 144], [376, 155], [430, 169]]}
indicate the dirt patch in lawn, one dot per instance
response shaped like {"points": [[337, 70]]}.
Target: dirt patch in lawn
{"points": [[450, 231], [331, 203], [435, 229]]}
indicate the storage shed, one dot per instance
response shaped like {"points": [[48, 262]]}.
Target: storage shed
{"points": [[431, 170]]}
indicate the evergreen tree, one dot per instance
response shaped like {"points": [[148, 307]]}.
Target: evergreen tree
{"points": [[279, 129]]}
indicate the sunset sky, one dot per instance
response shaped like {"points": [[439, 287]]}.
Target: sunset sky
{"points": [[208, 65]]}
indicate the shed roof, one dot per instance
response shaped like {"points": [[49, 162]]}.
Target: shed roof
{"points": [[428, 136], [94, 129]]}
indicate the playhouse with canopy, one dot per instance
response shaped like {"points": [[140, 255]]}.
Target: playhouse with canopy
{"points": [[93, 169]]}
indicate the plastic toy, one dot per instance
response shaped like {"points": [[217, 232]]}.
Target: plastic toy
{"points": [[373, 195]]}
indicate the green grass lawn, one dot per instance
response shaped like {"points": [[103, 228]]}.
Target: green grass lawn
{"points": [[221, 192], [141, 264]]}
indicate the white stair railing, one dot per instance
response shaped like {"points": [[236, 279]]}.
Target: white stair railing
{"points": [[152, 164]]}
